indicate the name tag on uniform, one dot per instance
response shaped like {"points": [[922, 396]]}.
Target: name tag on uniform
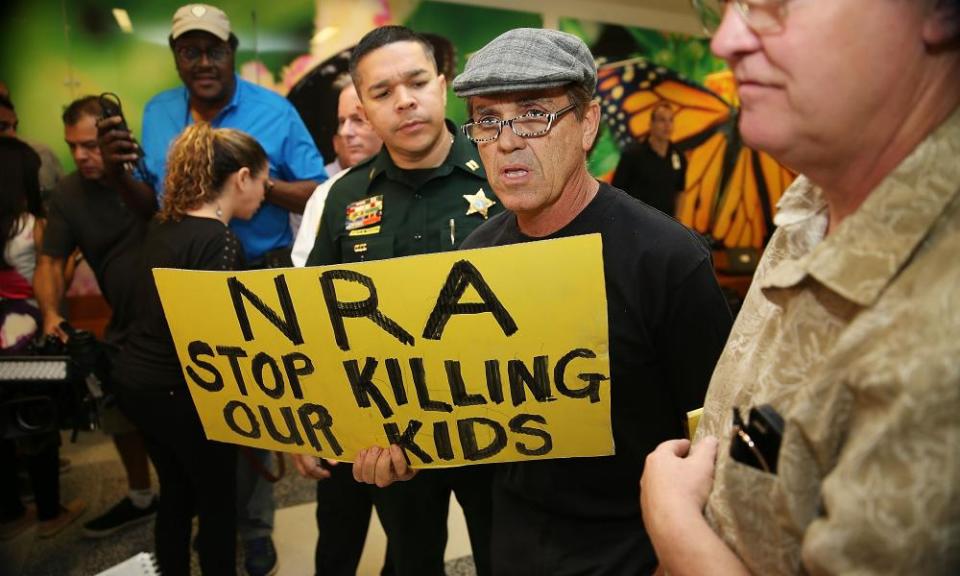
{"points": [[364, 231], [675, 159], [364, 212]]}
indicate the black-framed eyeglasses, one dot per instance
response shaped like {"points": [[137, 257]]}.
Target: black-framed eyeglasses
{"points": [[762, 16], [193, 54], [5, 126], [529, 125]]}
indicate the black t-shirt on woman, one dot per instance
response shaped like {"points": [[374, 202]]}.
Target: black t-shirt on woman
{"points": [[149, 360]]}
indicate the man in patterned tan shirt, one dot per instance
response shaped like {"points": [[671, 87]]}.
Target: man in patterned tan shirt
{"points": [[851, 329]]}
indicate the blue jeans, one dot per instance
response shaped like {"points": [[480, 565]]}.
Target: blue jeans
{"points": [[255, 503]]}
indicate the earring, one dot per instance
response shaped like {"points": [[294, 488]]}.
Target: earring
{"points": [[219, 211]]}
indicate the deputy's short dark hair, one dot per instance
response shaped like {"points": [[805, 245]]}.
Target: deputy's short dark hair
{"points": [[6, 103], [382, 36]]}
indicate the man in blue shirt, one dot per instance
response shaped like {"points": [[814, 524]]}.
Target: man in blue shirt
{"points": [[204, 49]]}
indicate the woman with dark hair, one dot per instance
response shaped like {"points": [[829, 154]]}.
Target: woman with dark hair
{"points": [[21, 229], [213, 175]]}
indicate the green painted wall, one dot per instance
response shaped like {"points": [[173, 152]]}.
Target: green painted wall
{"points": [[53, 51]]}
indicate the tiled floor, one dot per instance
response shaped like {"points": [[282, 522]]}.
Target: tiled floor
{"points": [[97, 476], [296, 535]]}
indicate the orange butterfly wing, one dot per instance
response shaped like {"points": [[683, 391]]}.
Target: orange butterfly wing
{"points": [[629, 91], [731, 191]]}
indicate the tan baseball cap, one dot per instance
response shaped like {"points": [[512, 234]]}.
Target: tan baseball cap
{"points": [[201, 17]]}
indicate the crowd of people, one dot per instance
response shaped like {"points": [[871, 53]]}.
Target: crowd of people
{"points": [[829, 438]]}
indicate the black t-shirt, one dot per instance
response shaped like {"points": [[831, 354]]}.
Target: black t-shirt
{"points": [[149, 360], [86, 214], [668, 322], [656, 180]]}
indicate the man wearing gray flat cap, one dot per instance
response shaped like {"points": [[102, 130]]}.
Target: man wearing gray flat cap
{"points": [[530, 98]]}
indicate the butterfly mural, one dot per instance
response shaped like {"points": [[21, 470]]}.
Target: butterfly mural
{"points": [[731, 190]]}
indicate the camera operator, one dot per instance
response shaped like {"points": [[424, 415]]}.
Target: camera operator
{"points": [[21, 228], [86, 213]]}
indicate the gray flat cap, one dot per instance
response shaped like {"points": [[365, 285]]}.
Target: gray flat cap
{"points": [[527, 59]]}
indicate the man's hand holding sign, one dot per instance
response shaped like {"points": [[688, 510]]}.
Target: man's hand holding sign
{"points": [[444, 356], [382, 466]]}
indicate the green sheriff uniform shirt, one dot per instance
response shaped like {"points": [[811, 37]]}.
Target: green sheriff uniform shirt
{"points": [[381, 211]]}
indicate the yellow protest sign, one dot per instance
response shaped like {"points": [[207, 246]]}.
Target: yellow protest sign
{"points": [[490, 355]]}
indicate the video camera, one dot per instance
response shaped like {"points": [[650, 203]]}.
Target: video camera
{"points": [[54, 386]]}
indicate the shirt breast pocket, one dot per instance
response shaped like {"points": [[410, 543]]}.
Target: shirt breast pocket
{"points": [[363, 248], [752, 517], [456, 231]]}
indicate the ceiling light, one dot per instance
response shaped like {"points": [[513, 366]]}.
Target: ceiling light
{"points": [[123, 20], [325, 34]]}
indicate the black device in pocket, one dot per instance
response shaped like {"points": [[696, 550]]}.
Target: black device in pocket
{"points": [[756, 442]]}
